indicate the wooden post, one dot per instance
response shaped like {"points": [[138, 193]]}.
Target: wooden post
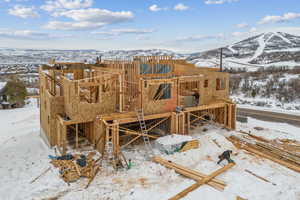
{"points": [[173, 123], [229, 116], [225, 115], [121, 93], [76, 136], [234, 116], [64, 134], [115, 138], [188, 121]]}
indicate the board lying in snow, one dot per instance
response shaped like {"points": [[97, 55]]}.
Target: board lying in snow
{"points": [[174, 143]]}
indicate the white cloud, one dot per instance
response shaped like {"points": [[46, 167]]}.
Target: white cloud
{"points": [[54, 5], [23, 11], [181, 7], [242, 25], [277, 19], [29, 35], [132, 31], [97, 15], [155, 8], [216, 2], [90, 18], [68, 26], [199, 38], [116, 32]]}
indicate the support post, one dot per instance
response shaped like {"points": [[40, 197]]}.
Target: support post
{"points": [[188, 122], [64, 134], [76, 136]]}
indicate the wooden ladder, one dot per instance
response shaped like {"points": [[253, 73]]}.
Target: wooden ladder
{"points": [[109, 150], [140, 116]]}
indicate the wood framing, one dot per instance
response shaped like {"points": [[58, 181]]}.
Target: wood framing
{"points": [[98, 102]]}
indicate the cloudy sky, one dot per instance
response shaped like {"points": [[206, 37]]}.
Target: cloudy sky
{"points": [[180, 25]]}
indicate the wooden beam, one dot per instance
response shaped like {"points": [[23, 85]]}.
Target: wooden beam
{"points": [[129, 117], [195, 175], [203, 181], [158, 123], [131, 141], [257, 176], [205, 107], [128, 131]]}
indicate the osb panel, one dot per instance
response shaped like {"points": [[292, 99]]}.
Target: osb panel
{"points": [[159, 106], [99, 136], [84, 111], [56, 107]]}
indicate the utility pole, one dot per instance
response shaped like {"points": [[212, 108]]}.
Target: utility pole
{"points": [[221, 59]]}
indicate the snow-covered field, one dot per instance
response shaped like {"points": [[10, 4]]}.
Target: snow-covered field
{"points": [[24, 156]]}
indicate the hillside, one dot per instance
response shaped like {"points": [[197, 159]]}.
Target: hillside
{"points": [[264, 50]]}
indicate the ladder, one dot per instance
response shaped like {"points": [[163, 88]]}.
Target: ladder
{"points": [[108, 151], [140, 116]]}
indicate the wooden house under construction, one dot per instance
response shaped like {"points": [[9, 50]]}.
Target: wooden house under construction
{"points": [[113, 104]]}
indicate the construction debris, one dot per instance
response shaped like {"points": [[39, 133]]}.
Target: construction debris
{"points": [[43, 173], [257, 176], [268, 149], [215, 141], [79, 166]]}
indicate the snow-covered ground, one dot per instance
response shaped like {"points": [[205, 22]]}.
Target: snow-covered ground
{"points": [[24, 156], [271, 105]]}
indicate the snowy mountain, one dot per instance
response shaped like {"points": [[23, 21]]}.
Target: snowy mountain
{"points": [[264, 50]]}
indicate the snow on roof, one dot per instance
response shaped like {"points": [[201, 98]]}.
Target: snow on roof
{"points": [[173, 139]]}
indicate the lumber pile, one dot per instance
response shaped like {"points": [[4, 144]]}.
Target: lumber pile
{"points": [[189, 173], [271, 150], [71, 171], [200, 178], [202, 182]]}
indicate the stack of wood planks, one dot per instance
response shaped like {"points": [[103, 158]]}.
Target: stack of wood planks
{"points": [[200, 178], [189, 173], [269, 149], [70, 171]]}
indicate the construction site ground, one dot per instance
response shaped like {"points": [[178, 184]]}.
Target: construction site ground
{"points": [[24, 156]]}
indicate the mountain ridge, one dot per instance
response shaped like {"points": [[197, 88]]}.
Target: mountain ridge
{"points": [[262, 50]]}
